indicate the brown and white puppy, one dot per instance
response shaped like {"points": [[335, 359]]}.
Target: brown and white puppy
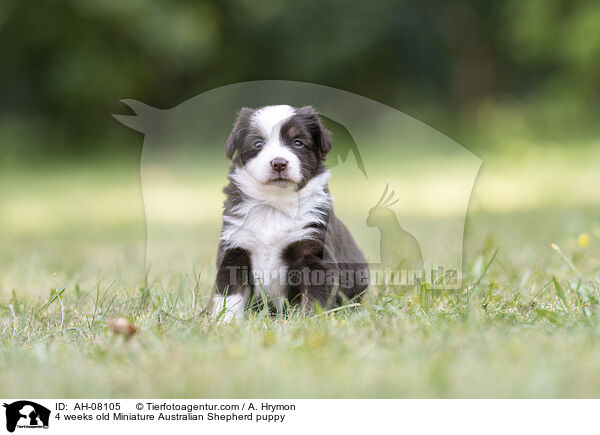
{"points": [[280, 238]]}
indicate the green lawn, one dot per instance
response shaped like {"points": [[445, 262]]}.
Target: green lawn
{"points": [[525, 323]]}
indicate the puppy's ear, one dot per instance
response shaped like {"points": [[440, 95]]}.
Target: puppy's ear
{"points": [[240, 129], [321, 136]]}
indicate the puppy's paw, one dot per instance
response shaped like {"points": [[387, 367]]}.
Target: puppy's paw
{"points": [[228, 308]]}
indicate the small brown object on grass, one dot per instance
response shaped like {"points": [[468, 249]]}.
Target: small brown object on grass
{"points": [[122, 326]]}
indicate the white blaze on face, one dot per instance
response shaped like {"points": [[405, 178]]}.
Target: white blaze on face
{"points": [[269, 120]]}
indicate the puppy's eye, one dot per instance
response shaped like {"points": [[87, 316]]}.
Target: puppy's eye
{"points": [[298, 143], [258, 144]]}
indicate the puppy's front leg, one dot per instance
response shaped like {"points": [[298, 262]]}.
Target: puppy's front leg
{"points": [[308, 277], [232, 288]]}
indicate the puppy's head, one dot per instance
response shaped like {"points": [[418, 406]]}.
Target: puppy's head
{"points": [[281, 146]]}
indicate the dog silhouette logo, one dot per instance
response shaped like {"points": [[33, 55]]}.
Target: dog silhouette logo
{"points": [[433, 177], [26, 414]]}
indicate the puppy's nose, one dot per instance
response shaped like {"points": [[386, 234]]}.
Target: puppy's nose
{"points": [[279, 164]]}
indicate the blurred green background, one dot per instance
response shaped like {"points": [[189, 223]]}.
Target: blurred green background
{"points": [[483, 73], [516, 82]]}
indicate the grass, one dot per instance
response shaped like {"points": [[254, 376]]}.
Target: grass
{"points": [[524, 324]]}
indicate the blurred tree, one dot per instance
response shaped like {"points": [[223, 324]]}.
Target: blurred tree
{"points": [[462, 66]]}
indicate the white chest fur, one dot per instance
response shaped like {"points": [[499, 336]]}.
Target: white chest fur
{"points": [[264, 233], [267, 222]]}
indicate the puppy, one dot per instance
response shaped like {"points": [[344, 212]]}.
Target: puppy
{"points": [[280, 238]]}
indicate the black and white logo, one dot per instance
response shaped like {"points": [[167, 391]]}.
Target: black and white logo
{"points": [[24, 414]]}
